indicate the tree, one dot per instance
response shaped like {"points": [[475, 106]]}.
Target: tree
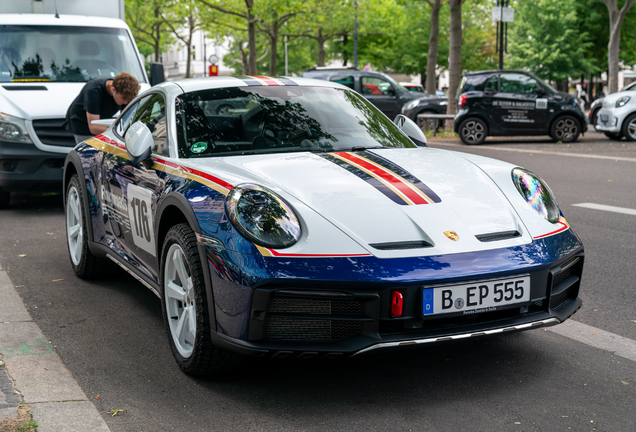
{"points": [[273, 16], [188, 12], [616, 17], [147, 23], [455, 55], [433, 40], [546, 39]]}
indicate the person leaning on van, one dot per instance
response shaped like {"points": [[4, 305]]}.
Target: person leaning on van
{"points": [[99, 99]]}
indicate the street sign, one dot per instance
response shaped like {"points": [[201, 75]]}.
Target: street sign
{"points": [[213, 59], [507, 16]]}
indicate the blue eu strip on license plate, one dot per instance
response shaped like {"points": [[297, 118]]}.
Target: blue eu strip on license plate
{"points": [[428, 295]]}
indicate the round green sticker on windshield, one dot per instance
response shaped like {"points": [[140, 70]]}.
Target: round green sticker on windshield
{"points": [[199, 147]]}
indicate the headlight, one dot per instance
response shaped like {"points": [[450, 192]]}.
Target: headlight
{"points": [[622, 101], [262, 216], [411, 104], [13, 129], [536, 193]]}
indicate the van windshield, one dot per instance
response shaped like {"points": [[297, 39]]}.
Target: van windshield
{"points": [[65, 54]]}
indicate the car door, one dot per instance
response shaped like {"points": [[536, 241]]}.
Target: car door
{"points": [[518, 106], [380, 93], [345, 80], [139, 188]]}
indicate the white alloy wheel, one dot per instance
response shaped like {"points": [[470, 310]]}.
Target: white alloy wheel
{"points": [[180, 301], [74, 228]]}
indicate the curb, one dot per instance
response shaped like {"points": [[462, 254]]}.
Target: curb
{"points": [[33, 375]]}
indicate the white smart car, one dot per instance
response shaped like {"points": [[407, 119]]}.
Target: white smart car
{"points": [[617, 117]]}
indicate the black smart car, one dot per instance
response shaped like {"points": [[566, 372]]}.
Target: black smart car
{"points": [[504, 103], [380, 89]]}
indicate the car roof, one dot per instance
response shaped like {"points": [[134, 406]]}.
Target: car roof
{"points": [[493, 71], [63, 21], [196, 84]]}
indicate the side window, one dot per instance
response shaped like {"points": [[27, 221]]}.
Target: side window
{"points": [[126, 120], [492, 83], [153, 115], [376, 86], [519, 84], [345, 81]]}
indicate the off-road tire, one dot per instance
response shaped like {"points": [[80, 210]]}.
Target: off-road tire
{"points": [[205, 359]]}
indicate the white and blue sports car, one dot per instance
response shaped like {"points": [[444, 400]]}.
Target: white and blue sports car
{"points": [[288, 217]]}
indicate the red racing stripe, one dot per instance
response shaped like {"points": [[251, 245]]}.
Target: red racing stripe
{"points": [[278, 254], [385, 175], [267, 80], [563, 228]]}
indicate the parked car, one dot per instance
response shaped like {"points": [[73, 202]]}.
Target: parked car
{"points": [[307, 224], [509, 103], [378, 88], [596, 106], [413, 87], [617, 117], [425, 105]]}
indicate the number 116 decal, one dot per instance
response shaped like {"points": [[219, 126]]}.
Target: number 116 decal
{"points": [[140, 213]]}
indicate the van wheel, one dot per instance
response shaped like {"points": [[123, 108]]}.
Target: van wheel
{"points": [[473, 131], [565, 129], [614, 136], [629, 128]]}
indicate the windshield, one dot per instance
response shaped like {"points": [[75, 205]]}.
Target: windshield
{"points": [[247, 120], [65, 54]]}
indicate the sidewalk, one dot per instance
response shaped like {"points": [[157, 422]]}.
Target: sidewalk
{"points": [[33, 380]]}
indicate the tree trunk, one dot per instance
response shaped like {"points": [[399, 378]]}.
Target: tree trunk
{"points": [[433, 41], [244, 58], [273, 52], [321, 49], [251, 37], [455, 57], [157, 34], [616, 18]]}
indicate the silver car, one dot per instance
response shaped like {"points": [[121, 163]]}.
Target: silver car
{"points": [[617, 117]]}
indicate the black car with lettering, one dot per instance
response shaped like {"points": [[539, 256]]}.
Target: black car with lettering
{"points": [[378, 88], [508, 103]]}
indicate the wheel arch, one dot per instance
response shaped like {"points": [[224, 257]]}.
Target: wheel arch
{"points": [[72, 166]]}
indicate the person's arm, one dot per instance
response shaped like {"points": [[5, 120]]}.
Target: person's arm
{"points": [[95, 129]]}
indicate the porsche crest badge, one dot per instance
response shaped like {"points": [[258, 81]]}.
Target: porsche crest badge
{"points": [[451, 235]]}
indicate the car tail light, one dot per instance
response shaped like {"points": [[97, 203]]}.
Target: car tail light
{"points": [[462, 100], [396, 303]]}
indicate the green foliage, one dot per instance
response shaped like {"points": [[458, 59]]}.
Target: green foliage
{"points": [[478, 36], [546, 39]]}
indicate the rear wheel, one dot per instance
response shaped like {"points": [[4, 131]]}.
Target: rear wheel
{"points": [[629, 128], [185, 307], [5, 198], [473, 131], [565, 129], [614, 136]]}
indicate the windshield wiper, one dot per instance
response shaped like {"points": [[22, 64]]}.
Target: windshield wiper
{"points": [[363, 148]]}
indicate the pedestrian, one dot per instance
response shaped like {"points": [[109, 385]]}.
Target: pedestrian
{"points": [[99, 99]]}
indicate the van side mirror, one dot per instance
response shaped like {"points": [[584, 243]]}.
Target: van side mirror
{"points": [[156, 73], [139, 144], [411, 130]]}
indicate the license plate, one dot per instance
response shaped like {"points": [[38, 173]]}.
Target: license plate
{"points": [[604, 118], [476, 297]]}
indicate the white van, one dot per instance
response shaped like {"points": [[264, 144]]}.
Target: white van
{"points": [[45, 60]]}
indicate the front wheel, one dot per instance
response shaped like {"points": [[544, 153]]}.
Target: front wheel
{"points": [[565, 129], [84, 263], [473, 131], [629, 128], [185, 307]]}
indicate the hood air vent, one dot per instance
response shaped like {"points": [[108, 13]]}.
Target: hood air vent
{"points": [[504, 235], [401, 245], [24, 87]]}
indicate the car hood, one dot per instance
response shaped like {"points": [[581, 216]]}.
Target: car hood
{"points": [[462, 198], [611, 99]]}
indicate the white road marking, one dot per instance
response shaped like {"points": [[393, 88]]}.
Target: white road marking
{"points": [[586, 156], [619, 345], [607, 208]]}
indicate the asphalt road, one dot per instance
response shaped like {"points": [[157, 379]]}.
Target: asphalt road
{"points": [[110, 334]]}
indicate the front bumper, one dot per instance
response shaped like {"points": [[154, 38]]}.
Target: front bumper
{"points": [[610, 120], [312, 319], [25, 168]]}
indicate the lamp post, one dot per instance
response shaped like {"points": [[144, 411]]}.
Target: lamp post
{"points": [[355, 35]]}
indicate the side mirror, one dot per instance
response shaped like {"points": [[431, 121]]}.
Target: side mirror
{"points": [[104, 122], [411, 130], [489, 92], [156, 73], [139, 144]]}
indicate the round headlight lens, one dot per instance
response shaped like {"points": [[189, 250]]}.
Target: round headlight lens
{"points": [[262, 216], [536, 193]]}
